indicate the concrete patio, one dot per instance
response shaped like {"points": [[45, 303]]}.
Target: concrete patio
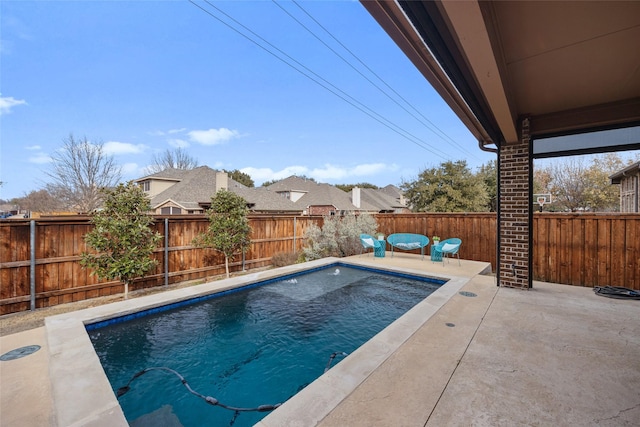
{"points": [[553, 355]]}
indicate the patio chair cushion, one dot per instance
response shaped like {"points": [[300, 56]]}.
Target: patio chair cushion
{"points": [[448, 247]]}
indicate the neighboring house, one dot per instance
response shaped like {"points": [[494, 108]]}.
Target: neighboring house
{"points": [[324, 199], [177, 191], [387, 200], [628, 179]]}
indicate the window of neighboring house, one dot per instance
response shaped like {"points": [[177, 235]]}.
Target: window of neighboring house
{"points": [[170, 210], [146, 186]]}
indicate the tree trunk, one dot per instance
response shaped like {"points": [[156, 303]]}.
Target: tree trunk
{"points": [[126, 290], [226, 265]]}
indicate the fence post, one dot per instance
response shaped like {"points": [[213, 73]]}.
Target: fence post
{"points": [[166, 251], [32, 270]]}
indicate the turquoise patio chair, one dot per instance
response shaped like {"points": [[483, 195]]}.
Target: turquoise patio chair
{"points": [[373, 243], [450, 247]]}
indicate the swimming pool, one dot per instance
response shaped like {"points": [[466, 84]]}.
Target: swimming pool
{"points": [[258, 345]]}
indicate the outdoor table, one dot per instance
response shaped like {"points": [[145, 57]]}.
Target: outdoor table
{"points": [[436, 252]]}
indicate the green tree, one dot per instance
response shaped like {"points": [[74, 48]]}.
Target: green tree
{"points": [[489, 175], [348, 187], [122, 237], [229, 228], [452, 187], [241, 177]]}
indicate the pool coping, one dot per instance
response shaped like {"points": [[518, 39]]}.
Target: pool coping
{"points": [[82, 394]]}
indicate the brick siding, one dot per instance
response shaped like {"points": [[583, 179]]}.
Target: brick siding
{"points": [[514, 217]]}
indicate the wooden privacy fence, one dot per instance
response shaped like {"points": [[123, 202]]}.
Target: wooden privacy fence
{"points": [[587, 249], [39, 258]]}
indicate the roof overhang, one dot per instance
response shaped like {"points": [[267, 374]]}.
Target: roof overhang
{"points": [[569, 67], [630, 170]]}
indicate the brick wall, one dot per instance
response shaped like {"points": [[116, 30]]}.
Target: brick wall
{"points": [[514, 217]]}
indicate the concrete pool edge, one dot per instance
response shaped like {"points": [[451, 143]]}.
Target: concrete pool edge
{"points": [[312, 404], [81, 392]]}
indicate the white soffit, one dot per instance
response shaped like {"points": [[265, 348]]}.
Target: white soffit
{"points": [[470, 27]]}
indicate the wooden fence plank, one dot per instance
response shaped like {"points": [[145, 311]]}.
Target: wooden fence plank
{"points": [[590, 252], [604, 254], [617, 245]]}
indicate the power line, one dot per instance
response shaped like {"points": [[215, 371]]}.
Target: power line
{"points": [[342, 95], [429, 125]]}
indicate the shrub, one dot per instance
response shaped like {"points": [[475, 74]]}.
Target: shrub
{"points": [[338, 237], [280, 259]]}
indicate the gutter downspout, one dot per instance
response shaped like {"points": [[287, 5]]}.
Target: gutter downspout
{"points": [[483, 147]]}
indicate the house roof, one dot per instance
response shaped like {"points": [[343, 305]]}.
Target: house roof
{"points": [[320, 194], [328, 195], [380, 199], [169, 174], [293, 183], [195, 187], [633, 169], [391, 190], [262, 199]]}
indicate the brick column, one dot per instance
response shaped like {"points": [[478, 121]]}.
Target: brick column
{"points": [[515, 215]]}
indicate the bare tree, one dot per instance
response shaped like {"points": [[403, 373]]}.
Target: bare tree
{"points": [[176, 159], [39, 201], [582, 183], [81, 169]]}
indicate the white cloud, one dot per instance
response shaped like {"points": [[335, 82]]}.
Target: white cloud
{"points": [[331, 173], [369, 169], [8, 102], [40, 158], [168, 132], [328, 173], [115, 148], [213, 136], [260, 175], [33, 148], [178, 143]]}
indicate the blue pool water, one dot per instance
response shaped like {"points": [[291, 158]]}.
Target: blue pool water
{"points": [[250, 347]]}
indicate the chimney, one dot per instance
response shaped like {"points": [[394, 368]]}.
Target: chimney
{"points": [[355, 197], [222, 181]]}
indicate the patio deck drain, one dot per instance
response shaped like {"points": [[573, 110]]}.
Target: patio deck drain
{"points": [[19, 352], [467, 294]]}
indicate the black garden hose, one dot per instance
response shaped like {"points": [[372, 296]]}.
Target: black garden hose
{"points": [[616, 292]]}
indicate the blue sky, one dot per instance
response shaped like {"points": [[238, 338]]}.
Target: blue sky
{"points": [[147, 76]]}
